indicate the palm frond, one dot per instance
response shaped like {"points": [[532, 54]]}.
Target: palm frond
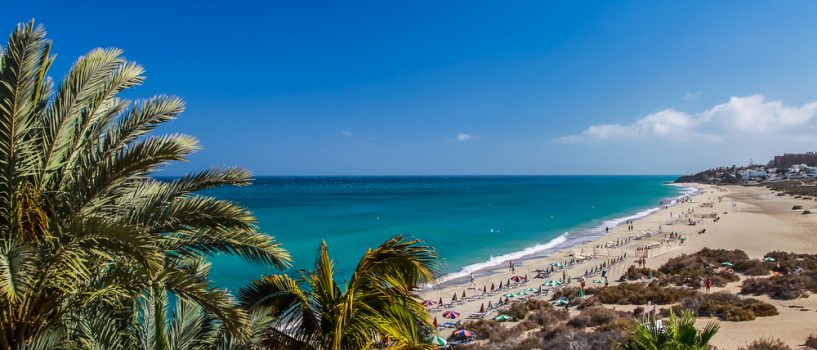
{"points": [[216, 301], [19, 76], [16, 269]]}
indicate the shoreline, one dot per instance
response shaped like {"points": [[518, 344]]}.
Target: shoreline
{"points": [[755, 220], [564, 241]]}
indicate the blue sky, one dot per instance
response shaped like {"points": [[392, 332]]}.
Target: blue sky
{"points": [[464, 87]]}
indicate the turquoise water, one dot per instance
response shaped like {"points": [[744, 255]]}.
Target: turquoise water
{"points": [[468, 219]]}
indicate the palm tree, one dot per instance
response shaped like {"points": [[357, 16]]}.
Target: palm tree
{"points": [[679, 334], [81, 221], [159, 323], [377, 305]]}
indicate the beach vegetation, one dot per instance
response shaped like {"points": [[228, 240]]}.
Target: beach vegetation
{"points": [[634, 273], [766, 344], [726, 306], [811, 341], [640, 294], [376, 307], [598, 316], [552, 328], [691, 269], [84, 225], [791, 286], [679, 332]]}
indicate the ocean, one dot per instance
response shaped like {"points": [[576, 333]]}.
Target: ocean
{"points": [[474, 222]]}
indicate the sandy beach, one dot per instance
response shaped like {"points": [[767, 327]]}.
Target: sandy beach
{"points": [[753, 219]]}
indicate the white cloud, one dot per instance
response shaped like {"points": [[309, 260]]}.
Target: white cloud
{"points": [[462, 137], [740, 117], [692, 96], [345, 133]]}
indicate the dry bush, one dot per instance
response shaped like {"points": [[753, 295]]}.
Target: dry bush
{"points": [[787, 262], [726, 306], [567, 338], [491, 330], [811, 341], [766, 344], [548, 316], [640, 294], [690, 269], [597, 316], [636, 273], [753, 267], [790, 286]]}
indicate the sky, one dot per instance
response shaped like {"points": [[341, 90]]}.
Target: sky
{"points": [[463, 87]]}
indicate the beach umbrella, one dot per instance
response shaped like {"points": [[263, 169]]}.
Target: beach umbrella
{"points": [[485, 289], [517, 279], [500, 301], [508, 283], [552, 283], [492, 286], [503, 318], [500, 284], [557, 264], [463, 293], [769, 259], [507, 300], [482, 308], [526, 277], [561, 301], [490, 305], [683, 238], [540, 289], [451, 314], [464, 333], [427, 303], [522, 294], [437, 340], [440, 302], [454, 298], [509, 295], [728, 264], [435, 322], [598, 281]]}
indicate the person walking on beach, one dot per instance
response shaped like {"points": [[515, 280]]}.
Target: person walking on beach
{"points": [[472, 279], [708, 285]]}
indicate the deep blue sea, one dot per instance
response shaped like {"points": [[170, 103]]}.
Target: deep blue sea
{"points": [[468, 219]]}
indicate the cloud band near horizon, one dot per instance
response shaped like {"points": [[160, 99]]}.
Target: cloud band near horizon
{"points": [[740, 117]]}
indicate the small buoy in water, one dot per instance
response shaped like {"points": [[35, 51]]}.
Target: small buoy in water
{"points": [[378, 218]]}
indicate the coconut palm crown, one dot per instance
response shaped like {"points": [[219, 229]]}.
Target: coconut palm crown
{"points": [[679, 334], [376, 307], [81, 220]]}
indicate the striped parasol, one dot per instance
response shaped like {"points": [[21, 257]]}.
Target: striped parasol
{"points": [[451, 314]]}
